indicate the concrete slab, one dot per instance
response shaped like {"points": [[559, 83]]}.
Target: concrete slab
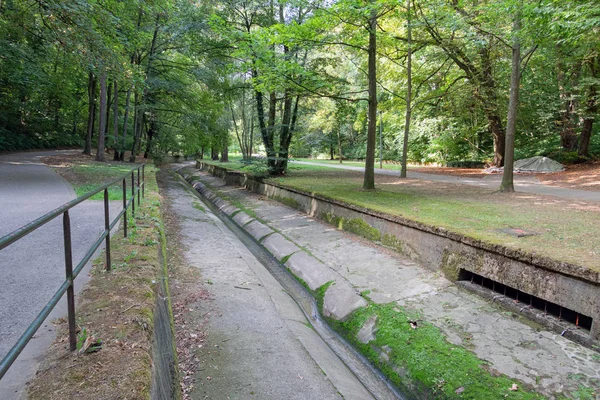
{"points": [[279, 246], [341, 299], [242, 218], [258, 230], [310, 270]]}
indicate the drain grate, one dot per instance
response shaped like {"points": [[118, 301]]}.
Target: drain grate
{"points": [[550, 309]]}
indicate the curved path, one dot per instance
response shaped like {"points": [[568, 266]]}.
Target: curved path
{"points": [[523, 183], [32, 268]]}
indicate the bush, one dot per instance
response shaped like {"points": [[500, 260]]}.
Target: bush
{"points": [[465, 164], [10, 141], [566, 157]]}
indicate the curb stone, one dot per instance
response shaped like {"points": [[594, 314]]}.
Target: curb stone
{"points": [[258, 230], [311, 270], [340, 300], [279, 246], [242, 219]]}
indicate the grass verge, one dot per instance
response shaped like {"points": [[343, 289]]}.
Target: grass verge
{"points": [[565, 228], [116, 308], [85, 174]]}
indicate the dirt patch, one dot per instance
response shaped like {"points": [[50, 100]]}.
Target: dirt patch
{"points": [[68, 160], [466, 172], [579, 176], [188, 294], [117, 309]]}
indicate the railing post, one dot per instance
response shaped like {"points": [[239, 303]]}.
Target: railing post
{"points": [[124, 208], [107, 228], [143, 179], [132, 195], [69, 274], [138, 185]]}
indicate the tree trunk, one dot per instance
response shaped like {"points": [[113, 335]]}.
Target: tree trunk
{"points": [[369, 176], [331, 153], [588, 123], [489, 96], [125, 118], [102, 118], [408, 91], [251, 139], [513, 106], [137, 122], [568, 133], [141, 114], [91, 113], [266, 132], [240, 139], [225, 149], [108, 103], [152, 132], [339, 138], [272, 160], [117, 155], [284, 134]]}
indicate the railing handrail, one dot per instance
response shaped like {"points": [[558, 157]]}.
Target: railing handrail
{"points": [[71, 274], [49, 216]]}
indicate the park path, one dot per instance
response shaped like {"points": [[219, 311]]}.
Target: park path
{"points": [[33, 268], [523, 183]]}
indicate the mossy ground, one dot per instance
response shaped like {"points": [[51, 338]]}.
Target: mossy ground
{"points": [[116, 307], [422, 362]]}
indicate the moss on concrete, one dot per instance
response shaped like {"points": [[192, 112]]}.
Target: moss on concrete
{"points": [[399, 245], [288, 201], [357, 226], [421, 362], [451, 262], [360, 227]]}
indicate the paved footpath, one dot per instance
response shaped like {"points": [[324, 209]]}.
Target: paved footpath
{"points": [[545, 360], [259, 344], [33, 268], [523, 183]]}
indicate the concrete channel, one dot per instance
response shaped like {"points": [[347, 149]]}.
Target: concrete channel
{"points": [[372, 380], [560, 295], [316, 252]]}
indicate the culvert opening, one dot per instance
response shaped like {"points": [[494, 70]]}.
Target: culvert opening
{"points": [[552, 309]]}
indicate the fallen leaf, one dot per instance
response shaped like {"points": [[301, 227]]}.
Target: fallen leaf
{"points": [[459, 390]]}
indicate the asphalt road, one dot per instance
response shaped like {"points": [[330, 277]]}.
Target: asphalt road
{"points": [[32, 268], [523, 183]]}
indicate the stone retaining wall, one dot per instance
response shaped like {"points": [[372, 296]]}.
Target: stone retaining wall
{"points": [[574, 287]]}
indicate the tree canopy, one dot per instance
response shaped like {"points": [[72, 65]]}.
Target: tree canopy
{"points": [[296, 78]]}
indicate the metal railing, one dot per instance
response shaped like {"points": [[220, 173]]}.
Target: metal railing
{"points": [[137, 188]]}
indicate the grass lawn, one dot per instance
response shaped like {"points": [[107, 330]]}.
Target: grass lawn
{"points": [[349, 163], [85, 175], [568, 229]]}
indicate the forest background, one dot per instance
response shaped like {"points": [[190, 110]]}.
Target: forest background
{"points": [[300, 78]]}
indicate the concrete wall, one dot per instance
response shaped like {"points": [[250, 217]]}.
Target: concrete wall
{"points": [[571, 286]]}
